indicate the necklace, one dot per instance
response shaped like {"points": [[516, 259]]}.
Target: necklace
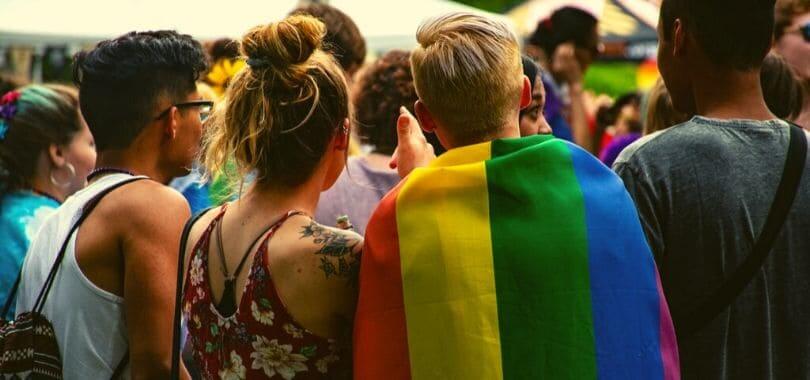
{"points": [[107, 170], [46, 195]]}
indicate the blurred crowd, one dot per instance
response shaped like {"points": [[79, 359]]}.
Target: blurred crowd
{"points": [[282, 205]]}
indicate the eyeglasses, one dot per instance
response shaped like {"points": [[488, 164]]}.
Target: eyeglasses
{"points": [[205, 107], [804, 30]]}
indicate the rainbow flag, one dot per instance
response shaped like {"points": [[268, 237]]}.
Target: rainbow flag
{"points": [[513, 259]]}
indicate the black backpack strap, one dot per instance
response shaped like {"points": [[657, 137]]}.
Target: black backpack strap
{"points": [[11, 296], [721, 299], [119, 370], [176, 333], [86, 210]]}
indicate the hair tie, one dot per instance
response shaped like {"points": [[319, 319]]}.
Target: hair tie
{"points": [[258, 63], [8, 108]]}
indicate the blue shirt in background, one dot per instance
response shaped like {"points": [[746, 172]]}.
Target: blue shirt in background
{"points": [[21, 215]]}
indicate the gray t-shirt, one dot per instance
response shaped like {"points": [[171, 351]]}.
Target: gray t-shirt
{"points": [[356, 194], [703, 190]]}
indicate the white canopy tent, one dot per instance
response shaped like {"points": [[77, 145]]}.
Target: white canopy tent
{"points": [[386, 24]]}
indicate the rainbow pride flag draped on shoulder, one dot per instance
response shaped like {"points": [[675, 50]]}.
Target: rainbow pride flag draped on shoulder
{"points": [[514, 259]]}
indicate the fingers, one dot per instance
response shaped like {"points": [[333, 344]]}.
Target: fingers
{"points": [[393, 163], [403, 123]]}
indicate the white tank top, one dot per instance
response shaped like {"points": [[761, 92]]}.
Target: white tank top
{"points": [[88, 321]]}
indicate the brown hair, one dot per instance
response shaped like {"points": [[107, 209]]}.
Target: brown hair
{"points": [[46, 114], [380, 90], [281, 112], [343, 39], [786, 10], [661, 114], [780, 88]]}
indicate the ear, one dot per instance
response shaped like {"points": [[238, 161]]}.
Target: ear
{"points": [[526, 94], [342, 136], [171, 123], [678, 38], [424, 117], [56, 155]]}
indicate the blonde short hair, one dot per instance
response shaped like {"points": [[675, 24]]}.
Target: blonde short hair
{"points": [[468, 73]]}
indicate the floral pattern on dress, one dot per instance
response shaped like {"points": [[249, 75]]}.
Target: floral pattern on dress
{"points": [[260, 340], [272, 358], [196, 271], [295, 332], [262, 314], [234, 370]]}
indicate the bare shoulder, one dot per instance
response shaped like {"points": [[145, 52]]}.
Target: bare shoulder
{"points": [[199, 227], [148, 197], [329, 253], [146, 208]]}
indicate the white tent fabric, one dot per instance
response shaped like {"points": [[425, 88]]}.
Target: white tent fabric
{"points": [[386, 24]]}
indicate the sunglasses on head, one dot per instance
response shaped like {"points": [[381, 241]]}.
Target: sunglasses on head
{"points": [[203, 105]]}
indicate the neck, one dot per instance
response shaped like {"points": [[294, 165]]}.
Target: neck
{"points": [[263, 201], [730, 94], [803, 119], [134, 161], [505, 131], [42, 183]]}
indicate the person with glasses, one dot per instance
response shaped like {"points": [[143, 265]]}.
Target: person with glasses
{"points": [[792, 34], [111, 304]]}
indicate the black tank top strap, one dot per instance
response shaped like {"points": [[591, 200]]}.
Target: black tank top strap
{"points": [[268, 231], [227, 304]]}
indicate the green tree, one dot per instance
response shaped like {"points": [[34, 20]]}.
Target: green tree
{"points": [[497, 6]]}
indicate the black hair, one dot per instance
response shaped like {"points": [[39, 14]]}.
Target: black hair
{"points": [[780, 88], [530, 70], [732, 33], [567, 24], [121, 81], [223, 48], [343, 38], [607, 116]]}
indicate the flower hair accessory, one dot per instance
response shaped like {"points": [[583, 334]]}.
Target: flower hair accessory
{"points": [[8, 108]]}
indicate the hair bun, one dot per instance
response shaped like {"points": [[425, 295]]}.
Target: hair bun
{"points": [[285, 43]]}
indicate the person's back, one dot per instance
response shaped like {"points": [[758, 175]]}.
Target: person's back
{"points": [[705, 187], [356, 193], [112, 296], [87, 319], [506, 257], [708, 186], [268, 291]]}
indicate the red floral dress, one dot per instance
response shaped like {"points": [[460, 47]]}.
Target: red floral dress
{"points": [[261, 340]]}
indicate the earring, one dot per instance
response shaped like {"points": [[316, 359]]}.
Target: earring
{"points": [[64, 184]]}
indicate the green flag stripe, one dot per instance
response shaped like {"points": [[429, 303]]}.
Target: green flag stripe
{"points": [[540, 254]]}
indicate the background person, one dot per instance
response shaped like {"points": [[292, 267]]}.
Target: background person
{"points": [[792, 35], [565, 45], [46, 152]]}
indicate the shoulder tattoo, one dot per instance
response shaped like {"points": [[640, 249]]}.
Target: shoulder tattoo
{"points": [[337, 252]]}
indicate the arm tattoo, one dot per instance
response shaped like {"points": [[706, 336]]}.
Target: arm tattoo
{"points": [[336, 252]]}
